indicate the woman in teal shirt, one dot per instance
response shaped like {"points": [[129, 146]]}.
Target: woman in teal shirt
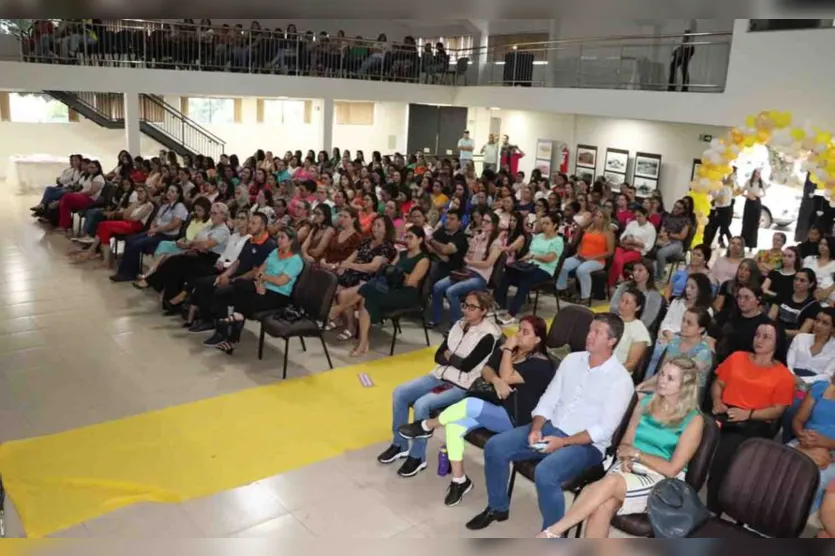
{"points": [[663, 435], [270, 287], [534, 268]]}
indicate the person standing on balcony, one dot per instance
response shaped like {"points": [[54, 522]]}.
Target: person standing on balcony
{"points": [[681, 57], [491, 154], [466, 146]]}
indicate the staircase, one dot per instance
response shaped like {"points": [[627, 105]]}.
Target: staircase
{"points": [[157, 119]]}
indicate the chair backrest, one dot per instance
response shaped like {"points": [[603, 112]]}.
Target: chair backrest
{"points": [[643, 365], [316, 295], [656, 324], [301, 283], [770, 488], [498, 272], [426, 285], [700, 462], [617, 436], [570, 326]]}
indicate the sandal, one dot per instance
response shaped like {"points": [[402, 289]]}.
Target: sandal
{"points": [[233, 319], [345, 335], [140, 284], [226, 347], [357, 352], [329, 325]]}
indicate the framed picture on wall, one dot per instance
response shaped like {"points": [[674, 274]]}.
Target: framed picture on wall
{"points": [[647, 166], [697, 163], [614, 179], [586, 157], [644, 186], [616, 161], [585, 175]]}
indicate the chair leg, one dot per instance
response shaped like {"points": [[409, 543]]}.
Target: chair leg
{"points": [[304, 347], [286, 351], [557, 297], [261, 336], [325, 347], [394, 335], [511, 483], [535, 302], [425, 330]]}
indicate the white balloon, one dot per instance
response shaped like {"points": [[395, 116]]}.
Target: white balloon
{"points": [[820, 147], [714, 158], [736, 149], [808, 166], [716, 144], [704, 182]]}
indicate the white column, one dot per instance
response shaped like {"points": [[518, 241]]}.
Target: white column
{"points": [[553, 54], [327, 125], [132, 134]]}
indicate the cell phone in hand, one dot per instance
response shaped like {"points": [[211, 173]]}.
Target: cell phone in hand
{"points": [[539, 446]]}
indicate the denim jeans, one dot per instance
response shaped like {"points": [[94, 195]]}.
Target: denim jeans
{"points": [[583, 272], [53, 193], [554, 469], [523, 281], [418, 395], [135, 246], [454, 292], [663, 255], [92, 218]]}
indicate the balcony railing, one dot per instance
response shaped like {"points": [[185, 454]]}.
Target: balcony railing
{"points": [[687, 62]]}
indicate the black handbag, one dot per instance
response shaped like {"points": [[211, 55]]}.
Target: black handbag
{"points": [[393, 275], [484, 391], [675, 510]]}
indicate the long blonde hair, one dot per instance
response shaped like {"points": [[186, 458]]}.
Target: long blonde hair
{"points": [[688, 397]]}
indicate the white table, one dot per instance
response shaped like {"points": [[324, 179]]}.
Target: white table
{"points": [[32, 172]]}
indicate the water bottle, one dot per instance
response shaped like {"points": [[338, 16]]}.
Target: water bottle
{"points": [[443, 463]]}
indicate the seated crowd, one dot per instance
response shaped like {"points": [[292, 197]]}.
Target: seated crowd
{"points": [[749, 341], [190, 45]]}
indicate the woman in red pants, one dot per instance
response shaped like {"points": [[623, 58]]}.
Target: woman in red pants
{"points": [[130, 221], [91, 186], [635, 242]]}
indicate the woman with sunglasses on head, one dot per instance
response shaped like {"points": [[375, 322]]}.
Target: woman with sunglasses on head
{"points": [[518, 371], [320, 235]]}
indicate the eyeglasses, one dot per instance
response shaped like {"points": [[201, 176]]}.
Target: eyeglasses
{"points": [[470, 307]]}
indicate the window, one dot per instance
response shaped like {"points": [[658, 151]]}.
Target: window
{"points": [[288, 112], [37, 108], [354, 113], [211, 110]]}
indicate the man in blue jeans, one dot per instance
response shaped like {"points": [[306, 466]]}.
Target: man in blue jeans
{"points": [[575, 419], [457, 368]]}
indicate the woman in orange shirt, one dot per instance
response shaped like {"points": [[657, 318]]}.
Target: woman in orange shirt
{"points": [[750, 394], [596, 245], [368, 212]]}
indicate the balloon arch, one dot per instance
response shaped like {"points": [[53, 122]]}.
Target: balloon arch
{"points": [[770, 128]]}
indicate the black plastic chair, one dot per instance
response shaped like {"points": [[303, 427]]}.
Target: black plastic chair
{"points": [[570, 327], [549, 286], [416, 310], [638, 525], [313, 294]]}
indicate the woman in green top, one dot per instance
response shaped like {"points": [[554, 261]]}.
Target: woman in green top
{"points": [[663, 435], [383, 293]]}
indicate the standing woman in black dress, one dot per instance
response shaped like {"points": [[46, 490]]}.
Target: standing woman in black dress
{"points": [[754, 191]]}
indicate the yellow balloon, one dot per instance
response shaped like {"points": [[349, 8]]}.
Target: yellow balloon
{"points": [[823, 137], [751, 121], [784, 119], [763, 136], [814, 178], [798, 134], [749, 141]]}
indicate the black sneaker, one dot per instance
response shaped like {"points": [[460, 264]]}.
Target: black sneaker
{"points": [[485, 518], [456, 491], [201, 326], [414, 431], [411, 467], [392, 454], [216, 339]]}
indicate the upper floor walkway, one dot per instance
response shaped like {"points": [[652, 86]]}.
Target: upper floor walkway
{"points": [[715, 78]]}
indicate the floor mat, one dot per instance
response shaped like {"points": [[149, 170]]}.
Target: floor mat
{"points": [[201, 448]]}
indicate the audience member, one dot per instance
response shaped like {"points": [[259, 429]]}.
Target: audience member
{"points": [[597, 243], [519, 372], [747, 274], [459, 362], [636, 241], [675, 230], [779, 284], [772, 259], [572, 426], [643, 280], [635, 341], [699, 260], [725, 268], [823, 266], [690, 342], [663, 435], [737, 334], [750, 393], [797, 312]]}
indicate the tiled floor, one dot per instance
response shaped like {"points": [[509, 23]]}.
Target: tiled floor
{"points": [[76, 349]]}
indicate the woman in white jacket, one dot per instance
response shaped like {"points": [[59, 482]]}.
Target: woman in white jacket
{"points": [[460, 360]]}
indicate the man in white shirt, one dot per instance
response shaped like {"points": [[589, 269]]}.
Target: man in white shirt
{"points": [[575, 419], [636, 241], [466, 146], [491, 153]]}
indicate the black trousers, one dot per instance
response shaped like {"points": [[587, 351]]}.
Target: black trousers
{"points": [[681, 57], [719, 221], [212, 302], [248, 302], [175, 272], [733, 435]]}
